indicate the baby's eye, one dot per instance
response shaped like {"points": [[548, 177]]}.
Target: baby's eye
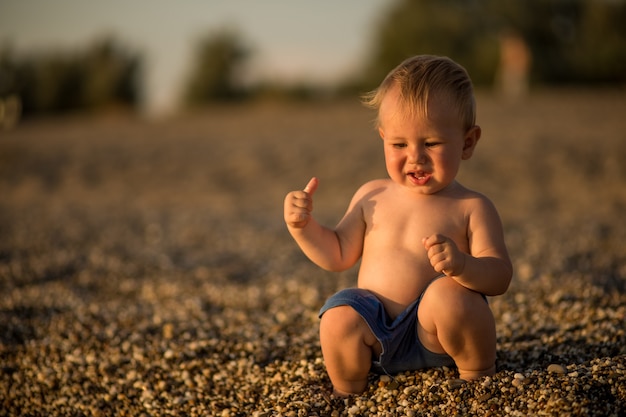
{"points": [[399, 145], [432, 144]]}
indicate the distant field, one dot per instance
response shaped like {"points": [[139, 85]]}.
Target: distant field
{"points": [[156, 234]]}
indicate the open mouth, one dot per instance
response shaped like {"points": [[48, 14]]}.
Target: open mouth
{"points": [[419, 177]]}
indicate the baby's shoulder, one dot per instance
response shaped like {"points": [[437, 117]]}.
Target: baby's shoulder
{"points": [[371, 190], [463, 193], [473, 200], [374, 187], [378, 184]]}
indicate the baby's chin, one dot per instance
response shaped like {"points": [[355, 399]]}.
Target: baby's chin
{"points": [[430, 188]]}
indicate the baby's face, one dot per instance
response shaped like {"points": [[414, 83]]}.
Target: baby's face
{"points": [[423, 153]]}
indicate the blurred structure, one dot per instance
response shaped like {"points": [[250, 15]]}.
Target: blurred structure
{"points": [[10, 111], [512, 76]]}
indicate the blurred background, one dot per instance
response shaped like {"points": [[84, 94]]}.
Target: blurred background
{"points": [[158, 57]]}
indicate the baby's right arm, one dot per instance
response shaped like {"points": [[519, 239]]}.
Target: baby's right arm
{"points": [[332, 249]]}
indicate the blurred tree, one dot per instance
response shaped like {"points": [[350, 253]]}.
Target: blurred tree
{"points": [[103, 75], [111, 75], [10, 102], [216, 70], [49, 83], [8, 71], [460, 29], [571, 41]]}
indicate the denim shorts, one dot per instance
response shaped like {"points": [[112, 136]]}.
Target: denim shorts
{"points": [[401, 347]]}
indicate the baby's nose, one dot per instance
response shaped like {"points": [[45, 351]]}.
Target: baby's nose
{"points": [[417, 155]]}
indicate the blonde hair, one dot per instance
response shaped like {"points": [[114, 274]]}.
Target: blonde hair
{"points": [[423, 75]]}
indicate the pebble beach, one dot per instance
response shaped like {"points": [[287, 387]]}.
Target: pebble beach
{"points": [[145, 269]]}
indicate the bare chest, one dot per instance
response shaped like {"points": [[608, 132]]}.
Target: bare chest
{"points": [[402, 224]]}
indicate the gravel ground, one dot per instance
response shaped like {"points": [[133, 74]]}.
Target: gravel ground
{"points": [[145, 269]]}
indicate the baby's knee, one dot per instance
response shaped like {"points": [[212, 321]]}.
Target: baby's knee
{"points": [[449, 298], [341, 321]]}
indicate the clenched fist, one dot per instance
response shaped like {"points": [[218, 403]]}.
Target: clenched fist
{"points": [[444, 255]]}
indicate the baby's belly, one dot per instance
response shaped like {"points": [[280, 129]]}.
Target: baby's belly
{"points": [[396, 284]]}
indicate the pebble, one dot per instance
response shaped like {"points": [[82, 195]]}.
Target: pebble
{"points": [[484, 397], [393, 385], [556, 368], [456, 383]]}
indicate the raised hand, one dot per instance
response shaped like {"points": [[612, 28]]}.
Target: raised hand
{"points": [[299, 204], [444, 255]]}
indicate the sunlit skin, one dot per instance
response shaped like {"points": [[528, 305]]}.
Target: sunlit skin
{"points": [[407, 230]]}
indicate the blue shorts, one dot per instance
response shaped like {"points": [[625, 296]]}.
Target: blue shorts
{"points": [[401, 347]]}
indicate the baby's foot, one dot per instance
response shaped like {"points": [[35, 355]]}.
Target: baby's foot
{"points": [[341, 394], [471, 375]]}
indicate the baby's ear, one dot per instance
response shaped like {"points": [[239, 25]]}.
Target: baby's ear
{"points": [[471, 139]]}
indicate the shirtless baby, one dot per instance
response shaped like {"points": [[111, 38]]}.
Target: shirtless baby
{"points": [[430, 248]]}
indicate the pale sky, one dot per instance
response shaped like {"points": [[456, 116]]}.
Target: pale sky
{"points": [[292, 40]]}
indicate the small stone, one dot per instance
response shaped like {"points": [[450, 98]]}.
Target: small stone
{"points": [[409, 390], [456, 383], [484, 397], [556, 369], [393, 385], [168, 331]]}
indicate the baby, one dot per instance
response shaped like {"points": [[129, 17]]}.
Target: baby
{"points": [[430, 248]]}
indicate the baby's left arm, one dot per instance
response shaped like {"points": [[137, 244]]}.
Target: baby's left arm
{"points": [[486, 268]]}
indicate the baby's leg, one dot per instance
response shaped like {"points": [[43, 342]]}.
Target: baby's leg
{"points": [[347, 345], [458, 321]]}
